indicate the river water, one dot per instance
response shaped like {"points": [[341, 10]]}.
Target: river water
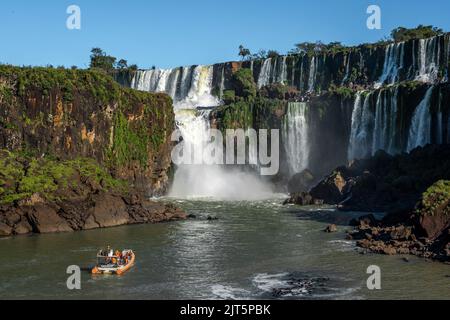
{"points": [[254, 250]]}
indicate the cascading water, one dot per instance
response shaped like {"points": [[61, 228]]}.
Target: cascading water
{"points": [[428, 69], [393, 62], [420, 130], [385, 129], [265, 73], [425, 62], [312, 74], [198, 179], [295, 137], [362, 120]]}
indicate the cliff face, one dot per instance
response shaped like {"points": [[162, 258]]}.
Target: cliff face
{"points": [[70, 113], [78, 152], [388, 96]]}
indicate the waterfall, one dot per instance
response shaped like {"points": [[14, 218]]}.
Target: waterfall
{"points": [[425, 56], [312, 74], [283, 76], [265, 73], [420, 129], [295, 137], [191, 87], [347, 68], [428, 68], [393, 62], [385, 129], [362, 120]]}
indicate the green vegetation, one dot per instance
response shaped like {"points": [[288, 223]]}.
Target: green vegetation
{"points": [[22, 175], [436, 198], [229, 96], [244, 83], [68, 82], [141, 119], [345, 92], [102, 61], [421, 32]]}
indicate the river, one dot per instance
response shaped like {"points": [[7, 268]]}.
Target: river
{"points": [[254, 250]]}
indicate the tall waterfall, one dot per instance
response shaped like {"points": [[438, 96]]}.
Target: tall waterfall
{"points": [[265, 73], [425, 61], [362, 119], [295, 137], [385, 129], [376, 124], [420, 130], [428, 69], [312, 74], [393, 62], [191, 87]]}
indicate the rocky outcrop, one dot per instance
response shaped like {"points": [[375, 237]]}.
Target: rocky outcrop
{"points": [[413, 189], [78, 152], [85, 113], [384, 183], [99, 211]]}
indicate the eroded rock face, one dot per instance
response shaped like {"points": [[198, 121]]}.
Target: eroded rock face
{"points": [[44, 219], [99, 211]]}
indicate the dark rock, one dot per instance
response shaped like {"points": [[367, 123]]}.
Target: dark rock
{"points": [[330, 190], [365, 221], [301, 182], [109, 211], [44, 219], [331, 228]]}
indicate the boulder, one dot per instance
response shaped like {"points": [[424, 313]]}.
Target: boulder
{"points": [[44, 219], [301, 182], [109, 211], [364, 222], [330, 190], [331, 228], [5, 230], [23, 227]]}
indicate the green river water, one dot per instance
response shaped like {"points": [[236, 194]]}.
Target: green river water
{"points": [[254, 250]]}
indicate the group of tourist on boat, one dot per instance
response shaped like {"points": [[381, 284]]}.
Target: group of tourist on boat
{"points": [[113, 262]]}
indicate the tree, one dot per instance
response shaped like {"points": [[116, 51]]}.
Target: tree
{"points": [[244, 52], [122, 64], [272, 54], [100, 60], [403, 34]]}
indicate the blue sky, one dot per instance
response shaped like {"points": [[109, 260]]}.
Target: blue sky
{"points": [[168, 33]]}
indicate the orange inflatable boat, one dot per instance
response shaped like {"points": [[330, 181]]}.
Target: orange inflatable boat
{"points": [[117, 263]]}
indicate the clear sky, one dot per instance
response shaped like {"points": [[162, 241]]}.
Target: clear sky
{"points": [[168, 33]]}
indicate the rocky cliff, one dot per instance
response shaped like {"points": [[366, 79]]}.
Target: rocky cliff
{"points": [[76, 148]]}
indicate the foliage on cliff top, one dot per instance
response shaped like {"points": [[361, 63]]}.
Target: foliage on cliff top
{"points": [[69, 81], [420, 32], [436, 198], [23, 175]]}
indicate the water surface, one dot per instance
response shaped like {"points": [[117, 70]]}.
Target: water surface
{"points": [[253, 250]]}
